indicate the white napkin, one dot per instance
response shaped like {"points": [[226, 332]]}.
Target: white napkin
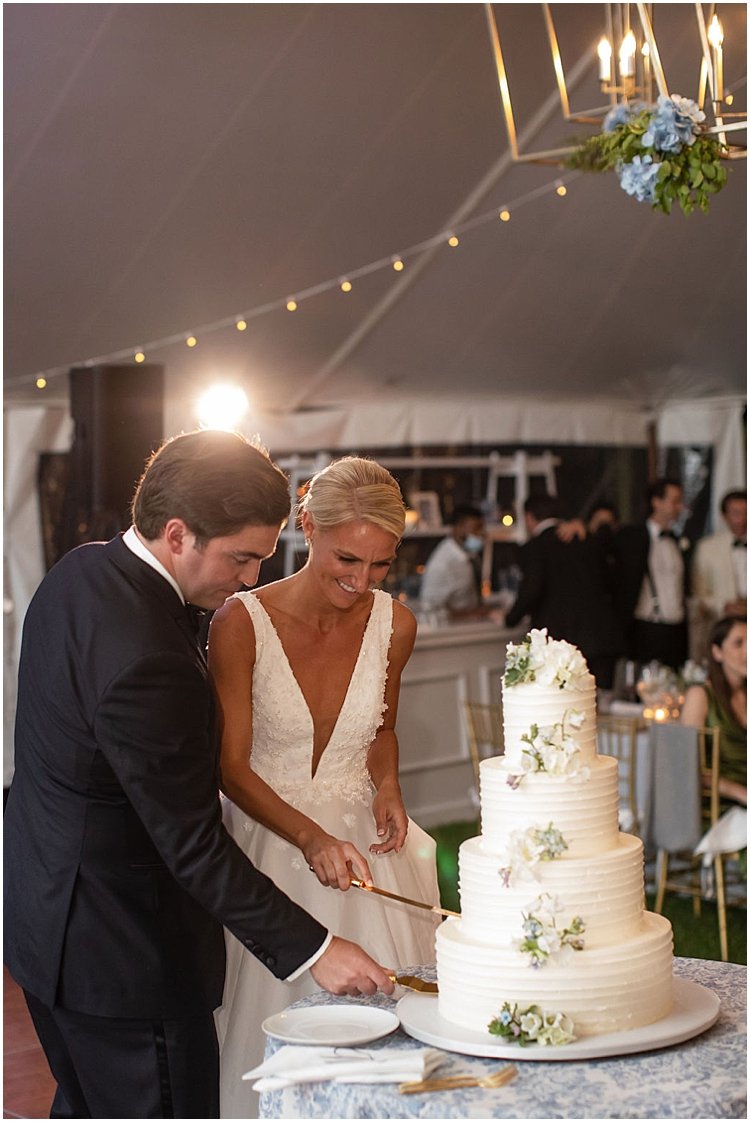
{"points": [[304, 1064], [725, 836]]}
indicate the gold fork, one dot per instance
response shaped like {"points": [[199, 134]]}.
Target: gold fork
{"points": [[454, 1082]]}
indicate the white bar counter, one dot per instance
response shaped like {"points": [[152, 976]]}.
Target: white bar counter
{"points": [[451, 663]]}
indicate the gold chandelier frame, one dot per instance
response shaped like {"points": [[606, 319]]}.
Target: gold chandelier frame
{"points": [[617, 21]]}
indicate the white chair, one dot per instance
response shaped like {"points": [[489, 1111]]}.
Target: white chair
{"points": [[618, 736], [484, 730]]}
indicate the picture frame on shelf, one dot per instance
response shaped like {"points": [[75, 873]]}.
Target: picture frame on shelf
{"points": [[427, 506]]}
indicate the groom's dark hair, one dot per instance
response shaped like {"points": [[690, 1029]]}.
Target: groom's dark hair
{"points": [[216, 482]]}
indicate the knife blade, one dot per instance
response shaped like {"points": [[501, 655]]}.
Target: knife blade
{"points": [[404, 899]]}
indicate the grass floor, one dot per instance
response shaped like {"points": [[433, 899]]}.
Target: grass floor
{"points": [[694, 937]]}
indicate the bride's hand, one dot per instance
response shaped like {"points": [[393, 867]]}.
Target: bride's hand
{"points": [[391, 820], [335, 862]]}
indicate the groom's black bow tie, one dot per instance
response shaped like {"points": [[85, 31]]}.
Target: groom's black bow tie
{"points": [[667, 534], [739, 543], [195, 615]]}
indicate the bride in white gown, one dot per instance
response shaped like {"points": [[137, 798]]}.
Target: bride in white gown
{"points": [[307, 673]]}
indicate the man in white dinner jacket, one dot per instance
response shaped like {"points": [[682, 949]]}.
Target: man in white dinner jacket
{"points": [[719, 576]]}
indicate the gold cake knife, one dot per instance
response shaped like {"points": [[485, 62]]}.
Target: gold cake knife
{"points": [[404, 899]]}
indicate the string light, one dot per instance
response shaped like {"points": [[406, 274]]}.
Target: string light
{"points": [[561, 190], [239, 321], [41, 383], [507, 520]]}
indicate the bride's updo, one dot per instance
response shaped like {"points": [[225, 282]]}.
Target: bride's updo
{"points": [[353, 489]]}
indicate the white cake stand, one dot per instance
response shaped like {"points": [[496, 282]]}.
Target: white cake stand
{"points": [[695, 1009]]}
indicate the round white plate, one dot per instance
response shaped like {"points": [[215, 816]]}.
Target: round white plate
{"points": [[334, 1025], [695, 1009]]}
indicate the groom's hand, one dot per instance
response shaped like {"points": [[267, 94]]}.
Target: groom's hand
{"points": [[345, 968]]}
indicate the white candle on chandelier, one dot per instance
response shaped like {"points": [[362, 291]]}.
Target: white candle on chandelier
{"points": [[646, 55], [604, 50], [627, 56], [716, 38]]}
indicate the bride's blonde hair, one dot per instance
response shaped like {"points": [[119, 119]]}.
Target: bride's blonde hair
{"points": [[353, 489]]}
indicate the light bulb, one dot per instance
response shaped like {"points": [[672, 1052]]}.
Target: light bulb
{"points": [[562, 190], [139, 356], [627, 56], [715, 32], [453, 241], [291, 305], [41, 383], [191, 341], [241, 325], [604, 50], [346, 286], [222, 407], [398, 264], [505, 216]]}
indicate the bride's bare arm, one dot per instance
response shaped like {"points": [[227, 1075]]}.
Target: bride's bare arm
{"points": [[231, 658], [382, 759]]}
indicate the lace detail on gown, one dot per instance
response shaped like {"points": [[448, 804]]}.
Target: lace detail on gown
{"points": [[283, 726]]}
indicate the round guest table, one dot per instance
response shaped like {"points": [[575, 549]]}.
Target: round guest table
{"points": [[701, 1078]]}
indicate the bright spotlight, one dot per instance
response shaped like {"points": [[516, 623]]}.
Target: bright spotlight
{"points": [[222, 407]]}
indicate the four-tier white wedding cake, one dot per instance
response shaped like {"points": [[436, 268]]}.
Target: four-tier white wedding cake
{"points": [[552, 894]]}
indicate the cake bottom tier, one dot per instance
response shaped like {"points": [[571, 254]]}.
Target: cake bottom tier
{"points": [[606, 989]]}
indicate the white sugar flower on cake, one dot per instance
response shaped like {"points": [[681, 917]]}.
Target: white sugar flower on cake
{"points": [[526, 848], [549, 662]]}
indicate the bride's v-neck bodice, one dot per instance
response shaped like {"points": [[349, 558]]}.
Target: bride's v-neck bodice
{"points": [[283, 726]]}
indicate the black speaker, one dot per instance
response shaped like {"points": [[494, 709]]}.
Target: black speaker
{"points": [[118, 418]]}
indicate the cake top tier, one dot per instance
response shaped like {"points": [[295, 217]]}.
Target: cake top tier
{"points": [[547, 662]]}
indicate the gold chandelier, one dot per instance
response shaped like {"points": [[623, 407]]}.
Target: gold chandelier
{"points": [[630, 69]]}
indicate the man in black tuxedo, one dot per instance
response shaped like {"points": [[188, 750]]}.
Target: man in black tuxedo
{"points": [[650, 580], [564, 587], [118, 872]]}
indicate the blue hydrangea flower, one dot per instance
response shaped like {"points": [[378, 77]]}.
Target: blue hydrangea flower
{"points": [[620, 114], [639, 178], [672, 126]]}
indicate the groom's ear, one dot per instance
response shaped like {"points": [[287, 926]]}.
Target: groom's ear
{"points": [[175, 535]]}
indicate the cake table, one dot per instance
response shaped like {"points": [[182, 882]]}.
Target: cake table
{"points": [[704, 1077]]}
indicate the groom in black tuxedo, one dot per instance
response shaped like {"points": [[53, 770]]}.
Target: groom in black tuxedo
{"points": [[118, 872]]}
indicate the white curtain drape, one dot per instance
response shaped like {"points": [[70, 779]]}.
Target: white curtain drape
{"points": [[27, 431]]}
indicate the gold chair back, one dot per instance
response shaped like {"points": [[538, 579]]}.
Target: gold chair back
{"points": [[682, 873], [484, 730], [618, 736]]}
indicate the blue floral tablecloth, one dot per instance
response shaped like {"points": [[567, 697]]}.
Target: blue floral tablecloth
{"points": [[702, 1078]]}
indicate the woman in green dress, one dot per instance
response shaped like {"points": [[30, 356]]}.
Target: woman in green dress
{"points": [[722, 701]]}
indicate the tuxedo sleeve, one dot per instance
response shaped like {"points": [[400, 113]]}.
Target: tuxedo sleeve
{"points": [[532, 587], [154, 725]]}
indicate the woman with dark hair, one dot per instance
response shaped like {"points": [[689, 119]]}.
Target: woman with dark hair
{"points": [[722, 701]]}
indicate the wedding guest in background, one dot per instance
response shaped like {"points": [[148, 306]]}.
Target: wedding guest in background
{"points": [[650, 580], [307, 672], [721, 702], [118, 871], [603, 520], [451, 579], [564, 587], [719, 571]]}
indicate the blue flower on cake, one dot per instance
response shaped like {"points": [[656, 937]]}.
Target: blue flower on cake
{"points": [[542, 938], [532, 1026]]}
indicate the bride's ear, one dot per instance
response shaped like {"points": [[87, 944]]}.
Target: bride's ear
{"points": [[307, 525]]}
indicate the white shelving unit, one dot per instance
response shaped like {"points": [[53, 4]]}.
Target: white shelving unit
{"points": [[520, 467]]}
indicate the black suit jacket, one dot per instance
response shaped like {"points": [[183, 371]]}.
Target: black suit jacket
{"points": [[565, 588], [118, 871]]}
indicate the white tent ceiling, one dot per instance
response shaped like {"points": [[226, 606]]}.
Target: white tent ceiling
{"points": [[171, 165]]}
